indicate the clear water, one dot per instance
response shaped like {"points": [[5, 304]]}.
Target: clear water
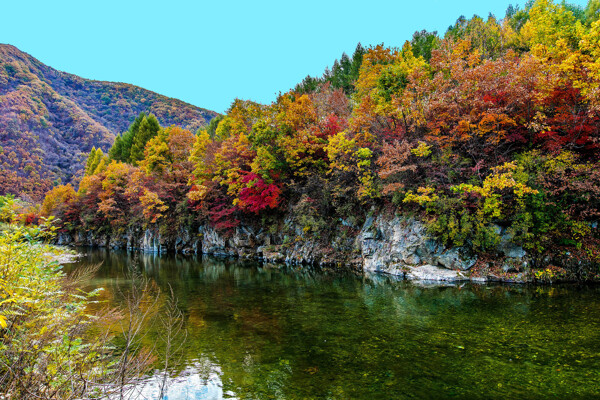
{"points": [[281, 333]]}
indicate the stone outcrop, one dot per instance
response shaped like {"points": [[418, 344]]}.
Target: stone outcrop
{"points": [[401, 246], [433, 273], [147, 240], [389, 244]]}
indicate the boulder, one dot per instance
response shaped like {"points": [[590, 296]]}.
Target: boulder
{"points": [[453, 259], [434, 273]]}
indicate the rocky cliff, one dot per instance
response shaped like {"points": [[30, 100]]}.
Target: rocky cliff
{"points": [[389, 244]]}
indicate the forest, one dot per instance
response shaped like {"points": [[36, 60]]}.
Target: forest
{"points": [[494, 124], [490, 130], [49, 121]]}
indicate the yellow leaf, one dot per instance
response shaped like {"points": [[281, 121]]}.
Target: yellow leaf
{"points": [[3, 323]]}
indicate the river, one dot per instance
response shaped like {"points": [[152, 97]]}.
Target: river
{"points": [[265, 332]]}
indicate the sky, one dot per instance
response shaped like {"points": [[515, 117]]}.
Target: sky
{"points": [[209, 53]]}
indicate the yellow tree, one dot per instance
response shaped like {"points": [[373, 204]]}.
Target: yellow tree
{"points": [[348, 159], [57, 199], [166, 151], [388, 93], [550, 24]]}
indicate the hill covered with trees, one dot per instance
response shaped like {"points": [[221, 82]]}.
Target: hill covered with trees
{"points": [[493, 127], [50, 120]]}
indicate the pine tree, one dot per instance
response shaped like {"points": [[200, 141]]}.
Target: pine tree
{"points": [[116, 151], [357, 58], [423, 42], [148, 128], [95, 158], [90, 160], [121, 149]]}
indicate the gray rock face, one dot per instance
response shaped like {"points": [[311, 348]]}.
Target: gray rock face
{"points": [[151, 242], [452, 259], [63, 239], [508, 267], [515, 252], [392, 245], [212, 242], [403, 242], [401, 246], [147, 240], [187, 242], [508, 247], [389, 243]]}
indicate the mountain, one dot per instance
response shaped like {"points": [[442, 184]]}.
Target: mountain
{"points": [[50, 120]]}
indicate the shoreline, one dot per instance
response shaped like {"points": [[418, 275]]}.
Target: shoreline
{"points": [[425, 274]]}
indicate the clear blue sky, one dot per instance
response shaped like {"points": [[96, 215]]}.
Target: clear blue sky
{"points": [[209, 53]]}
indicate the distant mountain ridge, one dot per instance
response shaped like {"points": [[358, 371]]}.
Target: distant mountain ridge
{"points": [[49, 120]]}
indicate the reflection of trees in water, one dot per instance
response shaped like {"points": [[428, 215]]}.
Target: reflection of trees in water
{"points": [[290, 332]]}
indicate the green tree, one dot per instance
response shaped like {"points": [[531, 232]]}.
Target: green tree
{"points": [[121, 149], [95, 159], [592, 11], [212, 126], [149, 128], [308, 85], [423, 43], [517, 17], [343, 74], [90, 160], [357, 58], [116, 151]]}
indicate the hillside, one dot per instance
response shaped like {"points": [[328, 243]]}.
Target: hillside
{"points": [[49, 121], [487, 136]]}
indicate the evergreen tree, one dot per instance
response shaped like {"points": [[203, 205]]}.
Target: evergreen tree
{"points": [[336, 72], [345, 77], [327, 73], [308, 85], [423, 43], [510, 11], [212, 126], [121, 149], [357, 58], [127, 140], [116, 151], [101, 165], [90, 160], [95, 158], [148, 128], [518, 17], [343, 74]]}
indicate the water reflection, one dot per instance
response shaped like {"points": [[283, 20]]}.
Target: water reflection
{"points": [[198, 381], [264, 332]]}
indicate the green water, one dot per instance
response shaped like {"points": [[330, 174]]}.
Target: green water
{"points": [[264, 333]]}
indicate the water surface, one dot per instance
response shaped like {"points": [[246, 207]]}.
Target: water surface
{"points": [[257, 332]]}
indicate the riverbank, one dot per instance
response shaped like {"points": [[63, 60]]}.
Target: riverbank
{"points": [[57, 338], [385, 243], [45, 349]]}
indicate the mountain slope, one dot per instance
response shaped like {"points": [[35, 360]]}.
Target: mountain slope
{"points": [[49, 120]]}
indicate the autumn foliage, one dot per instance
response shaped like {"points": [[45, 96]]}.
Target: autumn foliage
{"points": [[50, 120], [493, 126]]}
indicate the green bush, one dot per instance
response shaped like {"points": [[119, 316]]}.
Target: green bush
{"points": [[43, 349]]}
